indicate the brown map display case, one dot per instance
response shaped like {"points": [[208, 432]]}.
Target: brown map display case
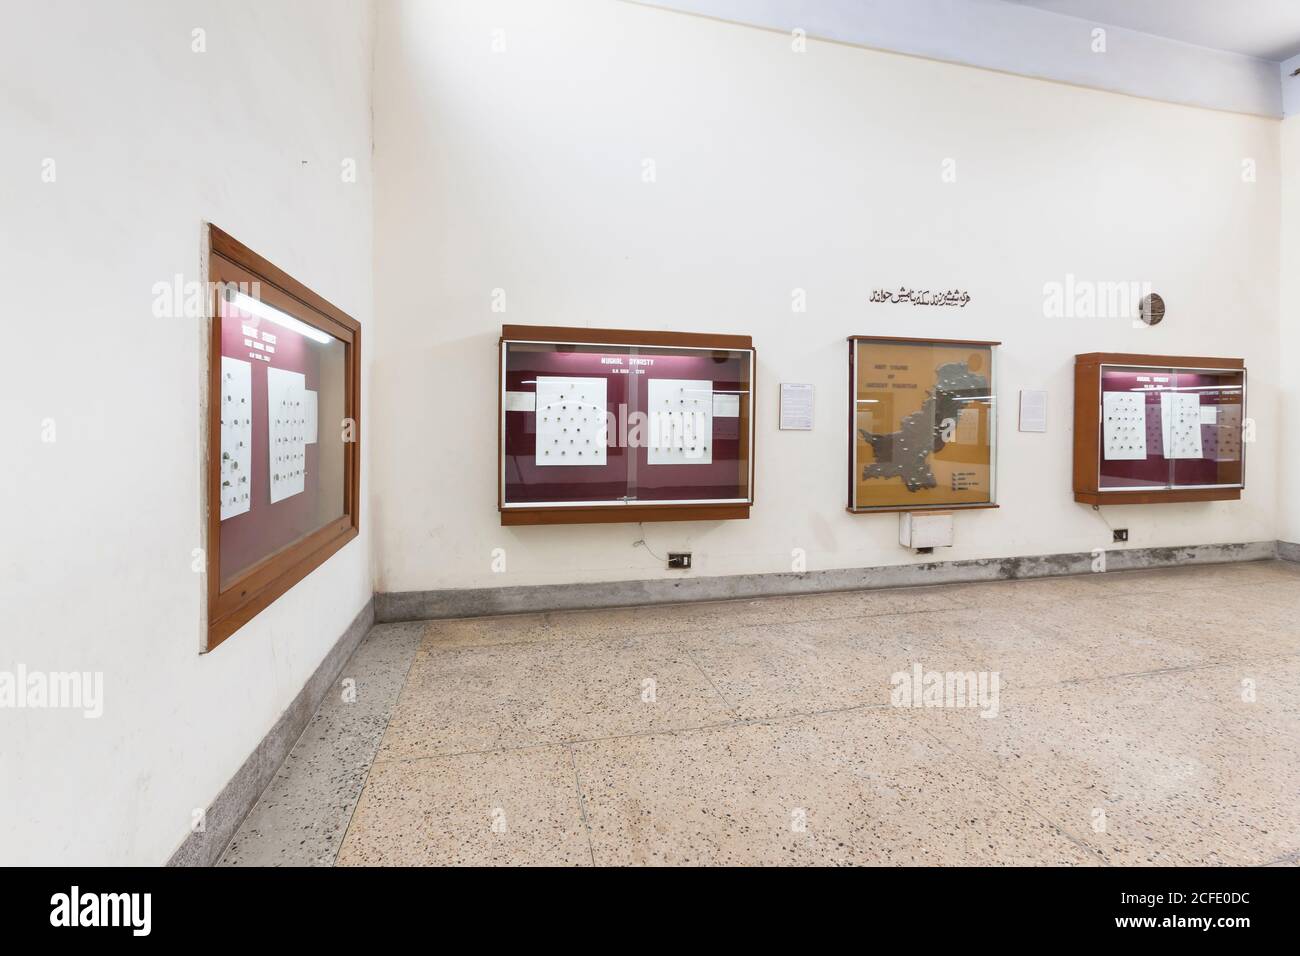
{"points": [[922, 424]]}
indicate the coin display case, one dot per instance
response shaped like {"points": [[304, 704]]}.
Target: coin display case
{"points": [[1152, 428], [283, 467], [605, 425]]}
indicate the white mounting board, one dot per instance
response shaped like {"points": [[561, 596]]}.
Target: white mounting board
{"points": [[286, 432], [236, 437], [1124, 426], [680, 422], [1181, 424], [570, 421]]}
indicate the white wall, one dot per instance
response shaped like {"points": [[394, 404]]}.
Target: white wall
{"points": [[149, 139], [521, 170], [1289, 392]]}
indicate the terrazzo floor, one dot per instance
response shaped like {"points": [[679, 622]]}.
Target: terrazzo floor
{"points": [[1139, 717]]}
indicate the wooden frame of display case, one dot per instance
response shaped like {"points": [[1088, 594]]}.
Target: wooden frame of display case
{"points": [[1087, 429], [554, 514], [851, 508], [231, 607]]}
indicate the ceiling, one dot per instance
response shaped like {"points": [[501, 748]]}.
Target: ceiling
{"points": [[1265, 29], [1234, 55]]}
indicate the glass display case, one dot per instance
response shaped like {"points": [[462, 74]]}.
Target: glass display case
{"points": [[1151, 428], [922, 424], [602, 425], [283, 467]]}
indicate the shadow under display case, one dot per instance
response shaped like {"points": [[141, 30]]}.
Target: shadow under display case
{"points": [[601, 425], [922, 425], [1152, 428]]}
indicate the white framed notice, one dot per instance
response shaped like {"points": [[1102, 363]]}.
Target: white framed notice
{"points": [[797, 404], [1033, 410]]}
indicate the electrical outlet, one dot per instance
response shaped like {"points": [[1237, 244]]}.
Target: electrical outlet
{"points": [[1120, 534], [679, 560]]}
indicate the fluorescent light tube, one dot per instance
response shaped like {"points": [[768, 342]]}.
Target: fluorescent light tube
{"points": [[257, 307]]}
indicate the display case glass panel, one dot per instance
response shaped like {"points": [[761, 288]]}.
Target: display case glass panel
{"points": [[595, 430], [922, 424], [282, 474], [1163, 428], [1218, 411]]}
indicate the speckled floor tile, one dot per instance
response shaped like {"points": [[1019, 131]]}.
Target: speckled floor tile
{"points": [[516, 807], [300, 818], [863, 787], [1038, 646], [517, 695], [759, 731], [486, 631], [1164, 769], [832, 605], [626, 622], [800, 668], [1226, 623]]}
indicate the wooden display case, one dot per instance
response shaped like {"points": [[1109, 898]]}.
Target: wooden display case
{"points": [[283, 468], [612, 425], [1153, 428]]}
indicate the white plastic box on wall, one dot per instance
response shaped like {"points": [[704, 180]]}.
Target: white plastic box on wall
{"points": [[925, 529]]}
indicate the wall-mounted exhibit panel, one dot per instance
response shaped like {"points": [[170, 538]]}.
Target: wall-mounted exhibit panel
{"points": [[602, 425], [283, 492], [922, 424], [1151, 428]]}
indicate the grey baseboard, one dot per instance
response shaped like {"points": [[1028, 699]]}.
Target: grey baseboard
{"points": [[1288, 551], [240, 795], [477, 602]]}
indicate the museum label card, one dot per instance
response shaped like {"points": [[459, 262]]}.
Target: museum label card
{"points": [[521, 401], [726, 405], [1033, 410], [797, 403]]}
